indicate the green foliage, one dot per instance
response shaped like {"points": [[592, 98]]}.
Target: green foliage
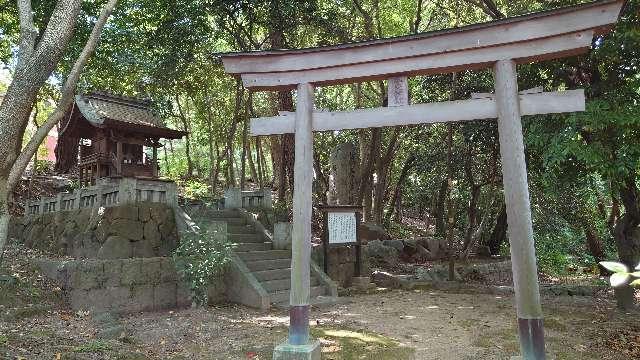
{"points": [[194, 189], [200, 257]]}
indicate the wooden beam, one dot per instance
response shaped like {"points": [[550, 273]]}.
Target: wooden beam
{"points": [[478, 58], [449, 111], [511, 30], [119, 158], [516, 196]]}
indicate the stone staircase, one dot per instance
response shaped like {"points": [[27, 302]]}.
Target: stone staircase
{"points": [[269, 267]]}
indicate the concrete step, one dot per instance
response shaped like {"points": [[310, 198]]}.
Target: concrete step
{"points": [[283, 295], [265, 255], [221, 214], [275, 274], [264, 265], [283, 284], [253, 246], [246, 238], [235, 221], [241, 229]]}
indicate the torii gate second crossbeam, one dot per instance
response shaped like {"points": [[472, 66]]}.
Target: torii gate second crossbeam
{"points": [[500, 45]]}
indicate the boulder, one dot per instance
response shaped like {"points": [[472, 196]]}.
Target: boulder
{"points": [[396, 244], [381, 254], [116, 247], [385, 280], [371, 231]]}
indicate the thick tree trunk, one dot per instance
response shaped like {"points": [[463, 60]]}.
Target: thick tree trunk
{"points": [[396, 202], [187, 146], [439, 209], [499, 232], [627, 236], [35, 65]]}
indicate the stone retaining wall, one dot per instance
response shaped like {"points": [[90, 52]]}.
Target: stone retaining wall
{"points": [[135, 230], [124, 285], [342, 261]]}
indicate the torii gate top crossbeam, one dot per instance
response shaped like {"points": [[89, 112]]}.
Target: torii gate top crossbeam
{"points": [[528, 38]]}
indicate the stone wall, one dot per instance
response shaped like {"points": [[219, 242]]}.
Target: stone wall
{"points": [[138, 230], [342, 263], [124, 285]]}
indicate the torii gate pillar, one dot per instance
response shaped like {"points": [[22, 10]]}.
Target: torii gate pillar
{"points": [[516, 196], [299, 346]]}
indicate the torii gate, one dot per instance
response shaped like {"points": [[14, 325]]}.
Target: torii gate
{"points": [[500, 44]]}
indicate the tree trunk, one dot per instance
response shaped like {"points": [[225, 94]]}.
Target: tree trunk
{"points": [[627, 236], [395, 203], [187, 146], [499, 232], [439, 209], [252, 165]]}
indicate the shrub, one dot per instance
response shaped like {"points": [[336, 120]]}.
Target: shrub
{"points": [[200, 257]]}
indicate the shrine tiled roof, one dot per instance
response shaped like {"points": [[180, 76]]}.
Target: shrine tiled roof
{"points": [[104, 109]]}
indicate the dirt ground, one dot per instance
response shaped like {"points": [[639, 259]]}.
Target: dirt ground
{"points": [[399, 324]]}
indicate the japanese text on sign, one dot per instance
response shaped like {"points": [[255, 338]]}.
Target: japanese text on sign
{"points": [[342, 227]]}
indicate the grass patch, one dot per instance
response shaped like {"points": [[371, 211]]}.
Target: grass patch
{"points": [[346, 344], [553, 323], [4, 340], [94, 346], [504, 339]]}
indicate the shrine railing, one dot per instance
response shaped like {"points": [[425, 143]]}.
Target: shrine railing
{"points": [[234, 198], [107, 192]]}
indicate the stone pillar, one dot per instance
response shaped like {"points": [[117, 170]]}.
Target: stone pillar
{"points": [[155, 161], [78, 201], [127, 190], [282, 235], [267, 200], [516, 193], [232, 198], [59, 202]]}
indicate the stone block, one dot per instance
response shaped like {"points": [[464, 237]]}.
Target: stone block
{"points": [[88, 274], [142, 296], [130, 229], [151, 232], [131, 272], [285, 351], [168, 272], [144, 249], [151, 270], [164, 296], [183, 295], [128, 212], [116, 247], [112, 273], [144, 212], [120, 299]]}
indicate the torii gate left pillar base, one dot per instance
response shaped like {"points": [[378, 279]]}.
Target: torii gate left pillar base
{"points": [[285, 351]]}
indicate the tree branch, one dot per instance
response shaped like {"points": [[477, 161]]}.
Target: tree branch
{"points": [[28, 33], [66, 99]]}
